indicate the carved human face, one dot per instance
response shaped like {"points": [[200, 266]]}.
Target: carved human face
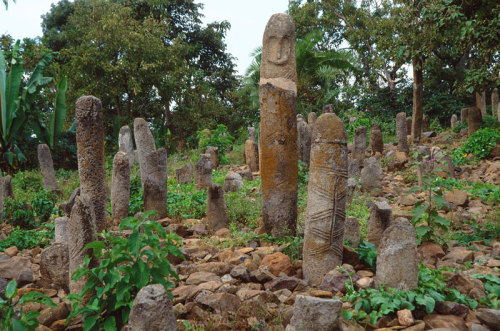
{"points": [[279, 48]]}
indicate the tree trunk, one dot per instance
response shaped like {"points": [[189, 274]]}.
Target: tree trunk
{"points": [[418, 92]]}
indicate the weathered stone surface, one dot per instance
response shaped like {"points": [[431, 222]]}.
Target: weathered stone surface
{"points": [[351, 187], [50, 315], [353, 168], [371, 175], [380, 219], [10, 268], [152, 310], [252, 155], [426, 123], [251, 133], [376, 140], [278, 263], [325, 220], [494, 100], [475, 119], [91, 164], [311, 118], [464, 115], [120, 187], [454, 121], [397, 264], [490, 317], [430, 253], [214, 155], [220, 302], [457, 197], [278, 127], [335, 281], [481, 102], [233, 182], [60, 233], [54, 266], [311, 313], [217, 215], [126, 144], [352, 231], [246, 174], [155, 183], [304, 139], [184, 174], [402, 133], [81, 231], [68, 206], [359, 146], [203, 172], [408, 125], [451, 322], [46, 167], [145, 144]]}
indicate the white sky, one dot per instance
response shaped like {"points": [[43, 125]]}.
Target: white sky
{"points": [[248, 20]]}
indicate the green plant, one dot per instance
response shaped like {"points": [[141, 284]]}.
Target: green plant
{"points": [[125, 266], [372, 304], [426, 218], [43, 205], [27, 239], [220, 137], [483, 191], [492, 287], [460, 126], [185, 201], [19, 213], [13, 320], [479, 144], [17, 100], [367, 253], [487, 233], [291, 246]]}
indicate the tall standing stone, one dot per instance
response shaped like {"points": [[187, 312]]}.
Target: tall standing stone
{"points": [[359, 146], [47, 167], [126, 144], [352, 231], [481, 102], [217, 215], [426, 123], [203, 172], [252, 155], [145, 143], [325, 221], [214, 155], [401, 132], [371, 174], [184, 174], [376, 140], [81, 230], [278, 127], [464, 115], [152, 310], [494, 100], [120, 186], [90, 148], [155, 183], [311, 118], [454, 121], [408, 126], [304, 139], [380, 219], [251, 133], [475, 119], [60, 230], [397, 263]]}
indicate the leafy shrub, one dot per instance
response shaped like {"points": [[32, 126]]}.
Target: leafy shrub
{"points": [[27, 183], [478, 232], [19, 213], [292, 246], [126, 265], [185, 201], [220, 137], [483, 191], [13, 320], [26, 239], [492, 287], [479, 144], [136, 203], [367, 253], [43, 204], [372, 304]]}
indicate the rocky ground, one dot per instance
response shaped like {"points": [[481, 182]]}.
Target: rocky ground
{"points": [[255, 286]]}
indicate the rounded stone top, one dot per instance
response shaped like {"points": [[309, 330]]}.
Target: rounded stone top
{"points": [[375, 126], [124, 130], [329, 128], [278, 53], [87, 106], [139, 121]]}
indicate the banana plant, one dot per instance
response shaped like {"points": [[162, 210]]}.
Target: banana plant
{"points": [[17, 99], [56, 118]]}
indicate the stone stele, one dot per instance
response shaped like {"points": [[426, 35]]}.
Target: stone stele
{"points": [[120, 187], [325, 220], [90, 153], [278, 127], [47, 167], [126, 144]]}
